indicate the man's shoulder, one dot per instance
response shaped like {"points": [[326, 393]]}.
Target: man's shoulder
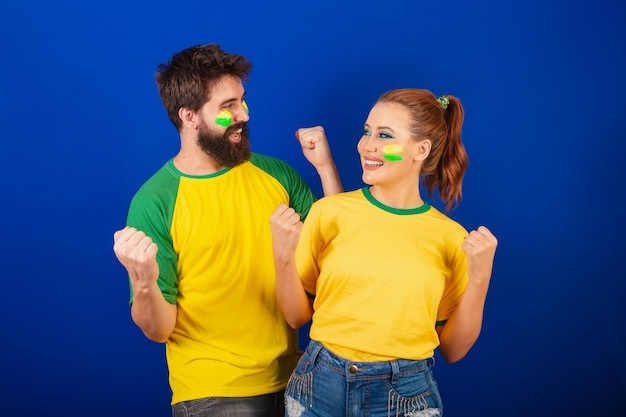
{"points": [[262, 158], [163, 181], [271, 164]]}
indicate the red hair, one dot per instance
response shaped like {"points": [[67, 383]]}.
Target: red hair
{"points": [[447, 162]]}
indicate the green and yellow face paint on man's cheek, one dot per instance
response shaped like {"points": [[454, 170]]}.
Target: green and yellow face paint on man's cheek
{"points": [[392, 152], [224, 118]]}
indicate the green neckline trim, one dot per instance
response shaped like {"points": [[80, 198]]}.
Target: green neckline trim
{"points": [[170, 165], [403, 212]]}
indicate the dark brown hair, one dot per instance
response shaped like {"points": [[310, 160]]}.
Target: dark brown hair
{"points": [[445, 167], [186, 80]]}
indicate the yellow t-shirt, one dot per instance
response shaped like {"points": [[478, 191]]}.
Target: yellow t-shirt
{"points": [[215, 261], [382, 277]]}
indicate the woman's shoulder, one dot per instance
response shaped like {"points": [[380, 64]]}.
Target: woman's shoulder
{"points": [[445, 222], [344, 196]]}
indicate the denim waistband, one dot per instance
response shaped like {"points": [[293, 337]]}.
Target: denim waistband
{"points": [[354, 369]]}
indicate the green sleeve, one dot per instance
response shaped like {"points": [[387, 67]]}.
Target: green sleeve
{"points": [[300, 195], [151, 212]]}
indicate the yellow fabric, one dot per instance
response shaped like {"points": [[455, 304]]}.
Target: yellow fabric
{"points": [[233, 296], [216, 264], [385, 276]]}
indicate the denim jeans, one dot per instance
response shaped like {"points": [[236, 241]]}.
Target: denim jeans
{"points": [[324, 384], [269, 405]]}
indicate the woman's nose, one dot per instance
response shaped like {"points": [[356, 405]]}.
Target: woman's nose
{"points": [[367, 144]]}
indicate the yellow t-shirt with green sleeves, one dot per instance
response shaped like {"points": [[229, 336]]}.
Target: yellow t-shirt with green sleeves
{"points": [[382, 278], [216, 264]]}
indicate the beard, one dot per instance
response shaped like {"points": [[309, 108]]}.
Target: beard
{"points": [[221, 149]]}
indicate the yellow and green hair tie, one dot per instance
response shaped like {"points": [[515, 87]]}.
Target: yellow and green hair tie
{"points": [[443, 100]]}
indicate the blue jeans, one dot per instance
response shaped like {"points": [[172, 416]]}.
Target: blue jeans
{"points": [[324, 384], [269, 405]]}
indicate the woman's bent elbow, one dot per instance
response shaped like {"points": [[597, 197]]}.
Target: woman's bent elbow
{"points": [[158, 338], [453, 358], [296, 323], [452, 355]]}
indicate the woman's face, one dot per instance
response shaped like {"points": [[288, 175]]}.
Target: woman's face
{"points": [[389, 154]]}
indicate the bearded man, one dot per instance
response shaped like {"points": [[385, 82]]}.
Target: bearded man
{"points": [[198, 247]]}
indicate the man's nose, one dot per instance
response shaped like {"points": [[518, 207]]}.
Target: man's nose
{"points": [[241, 113]]}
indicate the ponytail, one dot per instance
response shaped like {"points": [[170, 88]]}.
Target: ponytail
{"points": [[452, 162], [440, 120]]}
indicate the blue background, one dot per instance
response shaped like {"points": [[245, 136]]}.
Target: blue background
{"points": [[82, 127]]}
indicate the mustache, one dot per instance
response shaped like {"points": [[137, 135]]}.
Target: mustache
{"points": [[235, 127]]}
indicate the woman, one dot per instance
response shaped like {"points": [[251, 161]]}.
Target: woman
{"points": [[386, 277]]}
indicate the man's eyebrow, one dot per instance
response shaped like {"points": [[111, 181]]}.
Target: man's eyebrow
{"points": [[230, 100]]}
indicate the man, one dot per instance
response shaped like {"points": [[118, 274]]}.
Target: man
{"points": [[197, 245]]}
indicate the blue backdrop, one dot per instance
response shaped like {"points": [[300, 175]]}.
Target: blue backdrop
{"points": [[82, 127]]}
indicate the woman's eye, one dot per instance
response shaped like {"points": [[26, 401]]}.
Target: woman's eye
{"points": [[385, 135], [367, 132]]}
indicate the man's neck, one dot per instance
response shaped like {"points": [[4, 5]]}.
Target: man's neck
{"points": [[192, 160]]}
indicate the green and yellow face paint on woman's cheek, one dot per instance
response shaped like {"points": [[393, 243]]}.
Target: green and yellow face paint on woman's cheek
{"points": [[393, 152]]}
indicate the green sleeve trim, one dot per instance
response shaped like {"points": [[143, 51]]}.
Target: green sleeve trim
{"points": [[440, 322]]}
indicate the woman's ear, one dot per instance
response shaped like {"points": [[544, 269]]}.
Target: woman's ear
{"points": [[422, 150]]}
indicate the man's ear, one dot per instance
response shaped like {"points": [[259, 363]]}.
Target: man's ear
{"points": [[422, 150], [188, 117]]}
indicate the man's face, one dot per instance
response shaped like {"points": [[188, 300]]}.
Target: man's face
{"points": [[228, 144]]}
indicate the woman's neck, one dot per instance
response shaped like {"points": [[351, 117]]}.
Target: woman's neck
{"points": [[397, 196]]}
